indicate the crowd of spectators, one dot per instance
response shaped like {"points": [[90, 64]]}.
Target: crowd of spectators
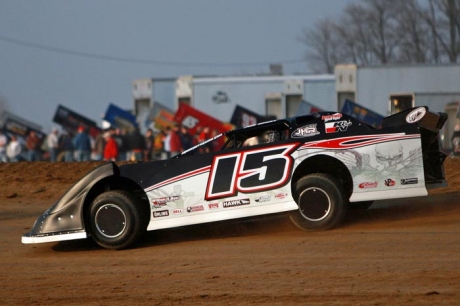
{"points": [[110, 145]]}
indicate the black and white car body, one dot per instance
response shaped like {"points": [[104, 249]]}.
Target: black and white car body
{"points": [[312, 167]]}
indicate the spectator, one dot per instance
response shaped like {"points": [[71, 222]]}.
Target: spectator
{"points": [[158, 148], [196, 136], [99, 145], [65, 147], [135, 145], [175, 141], [13, 150], [204, 135], [82, 145], [167, 141], [120, 138], [53, 144], [149, 145], [33, 146], [111, 147], [3, 144], [186, 138]]}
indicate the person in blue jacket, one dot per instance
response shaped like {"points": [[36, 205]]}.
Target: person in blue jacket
{"points": [[82, 145]]}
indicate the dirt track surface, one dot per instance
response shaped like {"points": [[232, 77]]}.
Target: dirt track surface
{"points": [[404, 251]]}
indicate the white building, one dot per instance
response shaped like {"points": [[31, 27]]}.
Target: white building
{"points": [[266, 95], [390, 89]]}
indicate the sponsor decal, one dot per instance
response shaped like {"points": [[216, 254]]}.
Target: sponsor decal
{"points": [[409, 181], [389, 183], [365, 185], [213, 205], [195, 208], [280, 196], [161, 213], [335, 116], [157, 203], [177, 211], [233, 203], [264, 198], [337, 126], [416, 115], [305, 131]]}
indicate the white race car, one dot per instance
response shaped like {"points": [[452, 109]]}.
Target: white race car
{"points": [[312, 167]]}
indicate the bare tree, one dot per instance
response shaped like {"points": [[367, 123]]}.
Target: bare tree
{"points": [[356, 36], [382, 24], [322, 45], [414, 41], [379, 32], [429, 15], [449, 28]]}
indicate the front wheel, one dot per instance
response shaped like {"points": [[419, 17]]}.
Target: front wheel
{"points": [[321, 201], [115, 219]]}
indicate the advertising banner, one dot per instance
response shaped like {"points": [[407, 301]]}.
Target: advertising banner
{"points": [[71, 121]]}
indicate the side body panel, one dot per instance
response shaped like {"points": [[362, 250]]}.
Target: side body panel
{"points": [[233, 184]]}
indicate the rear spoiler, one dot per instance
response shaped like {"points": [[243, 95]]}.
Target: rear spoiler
{"points": [[417, 115]]}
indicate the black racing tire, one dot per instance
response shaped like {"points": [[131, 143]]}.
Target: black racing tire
{"points": [[321, 200], [116, 219]]}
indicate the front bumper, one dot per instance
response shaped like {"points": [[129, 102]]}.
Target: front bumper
{"points": [[53, 237]]}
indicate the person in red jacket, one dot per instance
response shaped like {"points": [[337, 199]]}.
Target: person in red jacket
{"points": [[175, 142], [111, 147]]}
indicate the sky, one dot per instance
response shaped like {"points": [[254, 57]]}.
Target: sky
{"points": [[85, 54]]}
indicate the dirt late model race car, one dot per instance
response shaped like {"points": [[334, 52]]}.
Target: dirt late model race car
{"points": [[311, 167]]}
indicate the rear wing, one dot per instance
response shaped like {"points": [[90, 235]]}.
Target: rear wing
{"points": [[417, 115]]}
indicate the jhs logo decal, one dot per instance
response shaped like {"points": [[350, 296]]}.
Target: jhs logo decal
{"points": [[337, 126], [250, 171], [305, 131], [335, 116], [234, 203], [161, 213], [389, 182]]}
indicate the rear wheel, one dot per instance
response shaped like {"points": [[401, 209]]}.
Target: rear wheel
{"points": [[321, 201], [116, 220]]}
